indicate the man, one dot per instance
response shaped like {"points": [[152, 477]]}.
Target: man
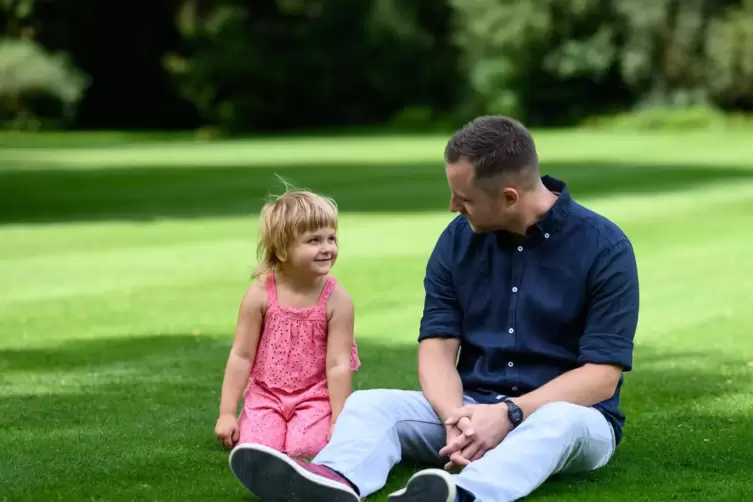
{"points": [[540, 296]]}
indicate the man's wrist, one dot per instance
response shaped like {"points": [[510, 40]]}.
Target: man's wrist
{"points": [[446, 413], [512, 412], [443, 407]]}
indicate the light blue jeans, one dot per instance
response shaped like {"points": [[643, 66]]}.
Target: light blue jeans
{"points": [[378, 428]]}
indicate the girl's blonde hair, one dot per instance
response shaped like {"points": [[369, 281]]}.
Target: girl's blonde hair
{"points": [[285, 219]]}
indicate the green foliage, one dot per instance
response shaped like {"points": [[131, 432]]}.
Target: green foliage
{"points": [[730, 56], [37, 88], [536, 59], [306, 64], [555, 60], [15, 16], [244, 65]]}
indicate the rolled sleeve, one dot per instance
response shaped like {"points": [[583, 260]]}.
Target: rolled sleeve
{"points": [[612, 316], [442, 317]]}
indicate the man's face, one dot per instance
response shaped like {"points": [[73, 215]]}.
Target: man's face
{"points": [[484, 211]]}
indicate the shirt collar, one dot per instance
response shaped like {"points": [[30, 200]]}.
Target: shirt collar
{"points": [[553, 219], [549, 224]]}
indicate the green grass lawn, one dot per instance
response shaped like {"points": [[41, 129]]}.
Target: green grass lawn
{"points": [[122, 265]]}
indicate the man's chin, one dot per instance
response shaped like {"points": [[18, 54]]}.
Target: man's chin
{"points": [[477, 230]]}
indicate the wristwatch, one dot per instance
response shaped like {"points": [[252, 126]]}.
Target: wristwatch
{"points": [[514, 413]]}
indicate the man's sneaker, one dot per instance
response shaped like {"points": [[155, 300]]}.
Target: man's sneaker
{"points": [[429, 485], [274, 477]]}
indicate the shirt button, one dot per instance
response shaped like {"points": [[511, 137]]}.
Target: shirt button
{"points": [[515, 388], [510, 364], [514, 289], [546, 236], [520, 248], [511, 330]]}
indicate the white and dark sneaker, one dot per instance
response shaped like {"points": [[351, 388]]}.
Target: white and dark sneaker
{"points": [[429, 485], [274, 477]]}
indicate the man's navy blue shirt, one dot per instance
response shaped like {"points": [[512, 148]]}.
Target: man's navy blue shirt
{"points": [[530, 308]]}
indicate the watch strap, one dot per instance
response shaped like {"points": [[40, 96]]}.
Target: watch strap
{"points": [[514, 413]]}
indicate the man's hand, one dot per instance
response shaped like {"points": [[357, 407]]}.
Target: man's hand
{"points": [[489, 424], [458, 433]]}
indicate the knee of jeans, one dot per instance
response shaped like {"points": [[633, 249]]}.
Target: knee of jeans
{"points": [[560, 416], [366, 398], [371, 401]]}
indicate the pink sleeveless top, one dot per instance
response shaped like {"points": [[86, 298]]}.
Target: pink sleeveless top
{"points": [[292, 351]]}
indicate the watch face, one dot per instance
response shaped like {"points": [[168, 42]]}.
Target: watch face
{"points": [[516, 415]]}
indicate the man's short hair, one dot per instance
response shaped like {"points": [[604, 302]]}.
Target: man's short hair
{"points": [[496, 147]]}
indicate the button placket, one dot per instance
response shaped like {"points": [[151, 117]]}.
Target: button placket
{"points": [[511, 330]]}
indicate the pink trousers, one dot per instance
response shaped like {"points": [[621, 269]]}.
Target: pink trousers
{"points": [[296, 424]]}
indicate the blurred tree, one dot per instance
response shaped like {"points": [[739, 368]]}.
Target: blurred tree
{"points": [[37, 89], [729, 68], [547, 62], [287, 64], [16, 18], [271, 65], [557, 61], [120, 45], [663, 57]]}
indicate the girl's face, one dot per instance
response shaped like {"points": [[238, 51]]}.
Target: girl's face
{"points": [[314, 252]]}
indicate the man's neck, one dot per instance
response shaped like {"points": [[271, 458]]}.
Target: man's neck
{"points": [[539, 202]]}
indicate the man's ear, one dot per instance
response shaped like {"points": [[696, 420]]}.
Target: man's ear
{"points": [[510, 196]]}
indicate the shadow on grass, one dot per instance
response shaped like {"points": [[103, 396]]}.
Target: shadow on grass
{"points": [[132, 418], [141, 194]]}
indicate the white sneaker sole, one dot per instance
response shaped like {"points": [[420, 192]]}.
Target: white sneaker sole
{"points": [[429, 485]]}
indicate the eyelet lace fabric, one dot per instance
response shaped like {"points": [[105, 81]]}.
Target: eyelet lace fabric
{"points": [[286, 404]]}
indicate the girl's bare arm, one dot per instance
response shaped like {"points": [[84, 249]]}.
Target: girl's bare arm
{"points": [[339, 345], [243, 351]]}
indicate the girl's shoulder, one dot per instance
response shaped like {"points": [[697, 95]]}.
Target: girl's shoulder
{"points": [[257, 295], [339, 298], [260, 285]]}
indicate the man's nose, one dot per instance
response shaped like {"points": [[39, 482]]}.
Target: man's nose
{"points": [[454, 206]]}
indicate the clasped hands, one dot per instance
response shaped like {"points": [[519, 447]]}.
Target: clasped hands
{"points": [[472, 430]]}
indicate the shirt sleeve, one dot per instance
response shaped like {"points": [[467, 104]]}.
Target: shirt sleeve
{"points": [[612, 316], [442, 316]]}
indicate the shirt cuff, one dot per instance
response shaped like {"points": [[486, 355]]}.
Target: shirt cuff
{"points": [[606, 348]]}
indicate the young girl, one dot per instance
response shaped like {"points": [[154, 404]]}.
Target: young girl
{"points": [[294, 350]]}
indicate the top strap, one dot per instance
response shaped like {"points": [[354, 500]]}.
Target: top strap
{"points": [[271, 289], [329, 286]]}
